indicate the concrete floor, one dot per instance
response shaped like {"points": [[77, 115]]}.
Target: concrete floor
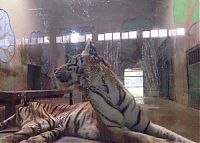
{"points": [[176, 117]]}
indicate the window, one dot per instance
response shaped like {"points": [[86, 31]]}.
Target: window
{"points": [[163, 33], [46, 39], [125, 35], [116, 36], [100, 37], [74, 37], [81, 38], [88, 36], [154, 33], [59, 39], [180, 31], [66, 39], [108, 36], [40, 40], [132, 34], [146, 34], [172, 32]]}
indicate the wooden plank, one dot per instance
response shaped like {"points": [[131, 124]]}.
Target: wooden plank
{"points": [[32, 94]]}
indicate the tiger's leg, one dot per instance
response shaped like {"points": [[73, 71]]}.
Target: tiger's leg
{"points": [[161, 132], [29, 130], [127, 136], [46, 137], [5, 123], [143, 123]]}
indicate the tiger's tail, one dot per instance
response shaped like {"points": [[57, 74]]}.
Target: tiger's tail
{"points": [[4, 124], [161, 132]]}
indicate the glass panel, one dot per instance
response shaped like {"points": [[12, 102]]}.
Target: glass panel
{"points": [[74, 37], [108, 36], [163, 33], [116, 36], [132, 34], [154, 33], [100, 37], [180, 31], [125, 35], [146, 34]]}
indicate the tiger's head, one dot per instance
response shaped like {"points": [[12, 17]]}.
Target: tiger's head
{"points": [[80, 69]]}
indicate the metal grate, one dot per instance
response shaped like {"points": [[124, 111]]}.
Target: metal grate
{"points": [[194, 55]]}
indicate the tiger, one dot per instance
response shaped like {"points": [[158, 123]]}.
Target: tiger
{"points": [[112, 102], [45, 123]]}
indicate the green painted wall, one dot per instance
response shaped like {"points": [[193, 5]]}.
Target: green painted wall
{"points": [[194, 84], [181, 10]]}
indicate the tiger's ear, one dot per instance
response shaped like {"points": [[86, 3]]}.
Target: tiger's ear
{"points": [[86, 50], [90, 49]]}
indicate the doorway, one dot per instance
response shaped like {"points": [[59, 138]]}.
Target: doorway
{"points": [[133, 81], [34, 77]]}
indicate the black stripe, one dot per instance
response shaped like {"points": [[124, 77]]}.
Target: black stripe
{"points": [[28, 113], [77, 68], [55, 134], [48, 105], [122, 96], [100, 94], [146, 127], [111, 126], [107, 117], [20, 109], [63, 106], [33, 130], [47, 113], [138, 119], [104, 84], [25, 110], [76, 118], [51, 136], [48, 123], [81, 60], [67, 123], [126, 107], [54, 109], [76, 61], [46, 138], [83, 121], [44, 106], [36, 104]]}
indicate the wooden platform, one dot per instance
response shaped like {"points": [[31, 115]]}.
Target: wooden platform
{"points": [[10, 98]]}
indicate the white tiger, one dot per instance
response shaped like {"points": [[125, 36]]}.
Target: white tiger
{"points": [[115, 106]]}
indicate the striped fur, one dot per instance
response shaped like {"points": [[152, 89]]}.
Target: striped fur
{"points": [[47, 122], [115, 106]]}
